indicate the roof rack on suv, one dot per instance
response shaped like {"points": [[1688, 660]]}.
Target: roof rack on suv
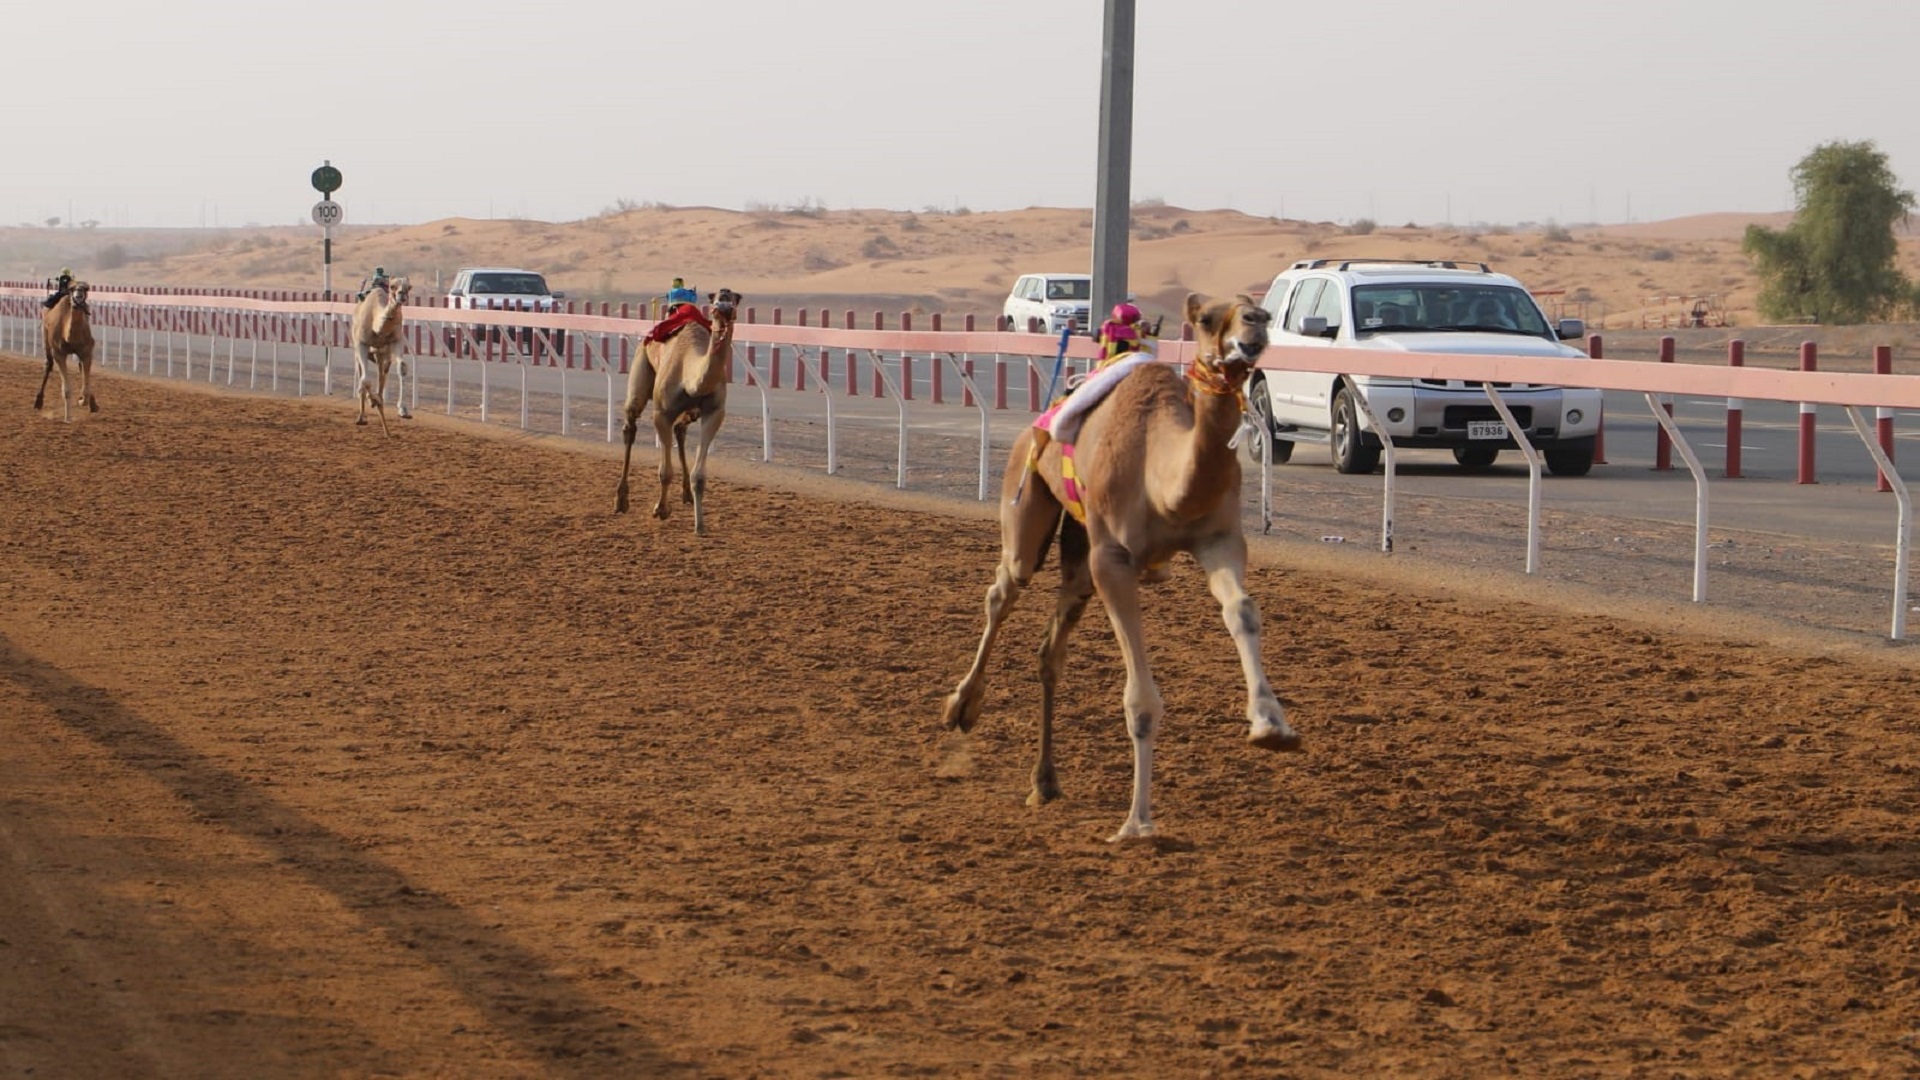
{"points": [[1344, 264]]}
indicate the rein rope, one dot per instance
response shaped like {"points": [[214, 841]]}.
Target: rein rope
{"points": [[1206, 376]]}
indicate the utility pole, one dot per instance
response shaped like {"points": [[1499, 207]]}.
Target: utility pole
{"points": [[1113, 196]]}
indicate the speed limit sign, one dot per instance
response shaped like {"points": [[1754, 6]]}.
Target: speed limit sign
{"points": [[328, 213]]}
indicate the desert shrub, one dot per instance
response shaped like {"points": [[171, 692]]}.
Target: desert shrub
{"points": [[111, 257], [1362, 227], [1556, 234], [818, 260], [1660, 255], [880, 247], [911, 223], [1181, 226]]}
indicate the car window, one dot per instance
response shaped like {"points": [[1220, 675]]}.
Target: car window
{"points": [[1069, 289], [1305, 295], [1276, 300], [1327, 306]]}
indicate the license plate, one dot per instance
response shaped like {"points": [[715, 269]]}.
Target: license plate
{"points": [[1486, 429]]}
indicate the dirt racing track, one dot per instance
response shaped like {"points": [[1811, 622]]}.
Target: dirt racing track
{"points": [[329, 755]]}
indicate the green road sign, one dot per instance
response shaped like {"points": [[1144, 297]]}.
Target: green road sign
{"points": [[326, 179]]}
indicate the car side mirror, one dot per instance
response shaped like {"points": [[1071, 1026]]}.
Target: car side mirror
{"points": [[559, 296], [1570, 329], [456, 292], [1317, 326]]}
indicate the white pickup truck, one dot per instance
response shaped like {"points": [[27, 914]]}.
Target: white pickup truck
{"points": [[505, 288], [1440, 306]]}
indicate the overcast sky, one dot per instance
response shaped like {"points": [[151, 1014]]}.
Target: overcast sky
{"points": [[215, 112]]}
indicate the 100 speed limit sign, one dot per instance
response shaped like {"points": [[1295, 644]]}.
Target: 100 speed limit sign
{"points": [[328, 213]]}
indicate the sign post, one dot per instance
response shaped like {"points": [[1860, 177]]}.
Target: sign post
{"points": [[327, 214]]}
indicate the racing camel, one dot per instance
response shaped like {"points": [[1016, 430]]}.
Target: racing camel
{"points": [[1151, 473], [377, 323], [682, 370], [68, 331]]}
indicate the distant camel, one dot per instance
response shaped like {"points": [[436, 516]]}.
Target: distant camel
{"points": [[1149, 474], [377, 323], [685, 377], [68, 331]]}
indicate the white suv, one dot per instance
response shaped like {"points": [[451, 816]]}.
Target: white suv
{"points": [[1059, 301], [1418, 306], [506, 287]]}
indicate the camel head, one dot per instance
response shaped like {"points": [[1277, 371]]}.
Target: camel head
{"points": [[397, 289], [79, 295], [724, 305], [1231, 335]]}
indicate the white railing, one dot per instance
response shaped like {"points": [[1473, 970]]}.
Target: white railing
{"points": [[466, 335]]}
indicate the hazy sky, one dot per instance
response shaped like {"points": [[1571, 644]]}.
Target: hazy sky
{"points": [[195, 112]]}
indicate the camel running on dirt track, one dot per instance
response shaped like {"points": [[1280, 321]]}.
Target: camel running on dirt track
{"points": [[377, 323], [685, 377], [68, 331], [1150, 473]]}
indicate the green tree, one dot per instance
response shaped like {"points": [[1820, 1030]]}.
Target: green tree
{"points": [[1837, 261]]}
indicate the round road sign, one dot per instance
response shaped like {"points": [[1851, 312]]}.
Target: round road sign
{"points": [[328, 213], [326, 179]]}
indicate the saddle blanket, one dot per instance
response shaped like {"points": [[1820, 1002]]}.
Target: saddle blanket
{"points": [[674, 323], [1063, 418]]}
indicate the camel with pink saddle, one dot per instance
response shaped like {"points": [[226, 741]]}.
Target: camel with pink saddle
{"points": [[1151, 471]]}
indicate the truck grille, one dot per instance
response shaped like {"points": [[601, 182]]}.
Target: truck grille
{"points": [[1456, 416]]}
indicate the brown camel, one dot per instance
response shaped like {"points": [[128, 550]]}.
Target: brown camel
{"points": [[68, 331], [685, 377], [1155, 476], [377, 323]]}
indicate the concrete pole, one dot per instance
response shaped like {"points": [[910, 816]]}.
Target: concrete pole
{"points": [[1112, 202]]}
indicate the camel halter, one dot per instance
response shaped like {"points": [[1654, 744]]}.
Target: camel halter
{"points": [[1207, 377]]}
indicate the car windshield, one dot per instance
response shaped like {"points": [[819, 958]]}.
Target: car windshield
{"points": [[510, 284], [1070, 290], [1500, 309]]}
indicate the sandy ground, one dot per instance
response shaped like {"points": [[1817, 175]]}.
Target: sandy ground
{"points": [[330, 755]]}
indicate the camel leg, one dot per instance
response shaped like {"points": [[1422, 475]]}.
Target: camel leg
{"points": [[66, 391], [1118, 580], [1224, 558], [1025, 530], [1076, 588], [380, 395], [663, 434], [639, 391], [709, 427], [361, 363], [686, 474], [40, 398], [86, 383], [401, 376]]}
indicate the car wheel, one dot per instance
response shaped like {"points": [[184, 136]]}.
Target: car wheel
{"points": [[1574, 457], [1351, 451], [1279, 451], [1475, 456]]}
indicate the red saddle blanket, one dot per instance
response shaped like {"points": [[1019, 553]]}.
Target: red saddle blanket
{"points": [[674, 323]]}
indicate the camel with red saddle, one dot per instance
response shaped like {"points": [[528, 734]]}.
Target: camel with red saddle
{"points": [[682, 371], [67, 330], [377, 324], [1151, 472]]}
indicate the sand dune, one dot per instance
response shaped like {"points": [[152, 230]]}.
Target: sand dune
{"points": [[953, 263]]}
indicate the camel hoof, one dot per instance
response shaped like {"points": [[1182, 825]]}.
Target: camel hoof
{"points": [[661, 511], [1044, 792], [405, 415], [92, 405], [1282, 739], [362, 422], [959, 714], [39, 402], [1132, 830]]}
